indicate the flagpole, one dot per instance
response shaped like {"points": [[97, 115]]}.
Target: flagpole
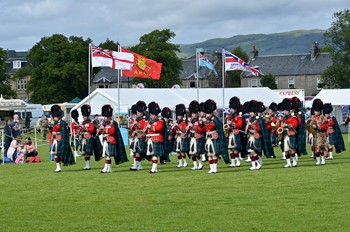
{"points": [[197, 75], [223, 85], [119, 92], [89, 73]]}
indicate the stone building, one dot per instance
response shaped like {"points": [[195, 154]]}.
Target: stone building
{"points": [[292, 71], [15, 61]]}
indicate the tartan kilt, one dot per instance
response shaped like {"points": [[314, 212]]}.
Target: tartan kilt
{"points": [[200, 146], [256, 146], [331, 138], [274, 139], [217, 146], [112, 149], [185, 144], [168, 146], [97, 148], [77, 144], [65, 153], [88, 146], [141, 149], [158, 149], [292, 141], [238, 141]]}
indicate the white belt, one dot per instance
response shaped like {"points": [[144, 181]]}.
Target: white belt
{"points": [[151, 135]]}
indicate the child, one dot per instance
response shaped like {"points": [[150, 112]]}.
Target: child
{"points": [[20, 156]]}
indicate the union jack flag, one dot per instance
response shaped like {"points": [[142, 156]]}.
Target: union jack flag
{"points": [[233, 62]]}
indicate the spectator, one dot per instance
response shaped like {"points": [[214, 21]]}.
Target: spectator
{"points": [[27, 121], [13, 150], [30, 148], [44, 125], [20, 156], [307, 113], [8, 135], [16, 126]]}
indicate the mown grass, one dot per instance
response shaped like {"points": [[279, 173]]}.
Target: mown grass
{"points": [[306, 198]]}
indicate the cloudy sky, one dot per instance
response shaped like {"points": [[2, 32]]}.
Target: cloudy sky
{"points": [[25, 22]]}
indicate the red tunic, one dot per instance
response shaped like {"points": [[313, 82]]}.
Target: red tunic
{"points": [[88, 127], [237, 121], [75, 128], [109, 130], [209, 127], [293, 121], [269, 122], [157, 128], [56, 128], [180, 125]]}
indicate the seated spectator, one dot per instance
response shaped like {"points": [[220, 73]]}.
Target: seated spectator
{"points": [[30, 148], [20, 156], [15, 144]]}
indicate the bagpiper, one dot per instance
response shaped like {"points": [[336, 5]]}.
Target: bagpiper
{"points": [[334, 135], [265, 134], [138, 134], [75, 132], [245, 136], [253, 131], [288, 129], [113, 145], [196, 143], [168, 135], [301, 129], [154, 136], [271, 123], [233, 129], [319, 124], [132, 141], [201, 115], [215, 143], [88, 129], [180, 131], [60, 136]]}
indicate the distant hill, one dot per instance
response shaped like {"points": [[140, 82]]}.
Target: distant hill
{"points": [[292, 42]]}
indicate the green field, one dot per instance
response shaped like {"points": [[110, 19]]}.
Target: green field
{"points": [[305, 198]]}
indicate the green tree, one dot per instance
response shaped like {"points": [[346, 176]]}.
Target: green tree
{"points": [[236, 74], [156, 46], [109, 44], [337, 37], [5, 86], [269, 81], [59, 68]]}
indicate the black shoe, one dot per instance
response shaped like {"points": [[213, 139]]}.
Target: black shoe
{"points": [[86, 168]]}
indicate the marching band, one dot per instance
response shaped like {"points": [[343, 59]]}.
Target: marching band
{"points": [[248, 130]]}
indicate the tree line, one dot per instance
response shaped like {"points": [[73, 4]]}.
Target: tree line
{"points": [[58, 65]]}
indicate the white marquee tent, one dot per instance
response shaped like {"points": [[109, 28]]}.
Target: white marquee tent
{"points": [[171, 97], [338, 98]]}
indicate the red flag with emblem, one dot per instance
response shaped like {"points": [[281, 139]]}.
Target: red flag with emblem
{"points": [[143, 67]]}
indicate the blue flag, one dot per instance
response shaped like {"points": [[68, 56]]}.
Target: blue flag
{"points": [[204, 62]]}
